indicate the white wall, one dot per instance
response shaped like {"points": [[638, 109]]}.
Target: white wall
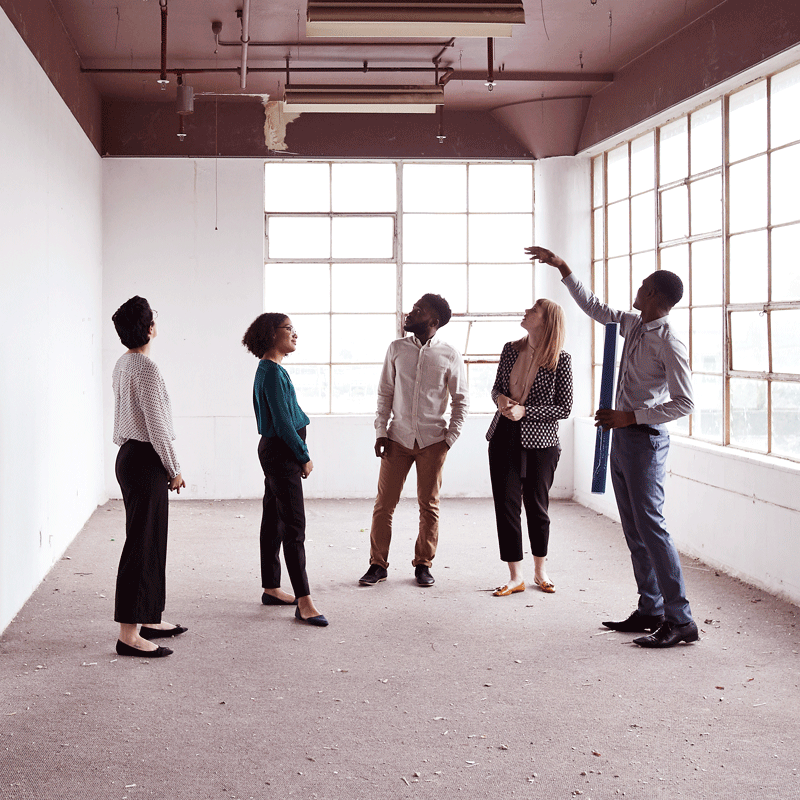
{"points": [[51, 453]]}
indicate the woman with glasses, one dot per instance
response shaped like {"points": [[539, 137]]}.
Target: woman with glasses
{"points": [[285, 460], [532, 391], [146, 468]]}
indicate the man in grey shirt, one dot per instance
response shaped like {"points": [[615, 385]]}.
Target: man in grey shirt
{"points": [[419, 373], [654, 387]]}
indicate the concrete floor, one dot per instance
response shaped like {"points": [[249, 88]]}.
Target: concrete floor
{"points": [[445, 692]]}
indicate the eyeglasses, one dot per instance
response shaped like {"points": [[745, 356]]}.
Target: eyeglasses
{"points": [[289, 328]]}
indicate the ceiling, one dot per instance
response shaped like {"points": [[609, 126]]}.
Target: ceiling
{"points": [[584, 42]]}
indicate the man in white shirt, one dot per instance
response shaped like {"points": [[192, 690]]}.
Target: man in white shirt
{"points": [[419, 373]]}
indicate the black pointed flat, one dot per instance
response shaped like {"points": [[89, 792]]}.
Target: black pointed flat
{"points": [[319, 620], [157, 633], [126, 650], [270, 600]]}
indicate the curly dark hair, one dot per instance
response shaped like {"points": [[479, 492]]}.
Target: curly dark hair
{"points": [[668, 285], [132, 321], [259, 338], [440, 306]]}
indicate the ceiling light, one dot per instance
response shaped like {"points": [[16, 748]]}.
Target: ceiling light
{"points": [[363, 99], [388, 18]]}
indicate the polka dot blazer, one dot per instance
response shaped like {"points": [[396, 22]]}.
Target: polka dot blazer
{"points": [[549, 400]]}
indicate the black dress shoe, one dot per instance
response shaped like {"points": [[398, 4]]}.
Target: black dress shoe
{"points": [[270, 600], [126, 650], [156, 633], [375, 574], [319, 620], [637, 623], [424, 577], [670, 634]]}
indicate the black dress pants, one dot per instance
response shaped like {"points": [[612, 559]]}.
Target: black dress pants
{"points": [[520, 476], [283, 517], [141, 578]]}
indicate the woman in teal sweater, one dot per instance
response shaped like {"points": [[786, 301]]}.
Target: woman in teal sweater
{"points": [[285, 460]]}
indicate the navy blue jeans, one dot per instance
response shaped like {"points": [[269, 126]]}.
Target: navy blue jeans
{"points": [[638, 467]]}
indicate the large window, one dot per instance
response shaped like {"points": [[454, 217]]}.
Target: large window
{"points": [[351, 246], [713, 197]]}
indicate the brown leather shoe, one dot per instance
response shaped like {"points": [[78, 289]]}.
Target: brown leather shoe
{"points": [[504, 591]]}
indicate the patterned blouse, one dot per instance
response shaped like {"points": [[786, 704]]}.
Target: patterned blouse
{"points": [[142, 410], [549, 400]]}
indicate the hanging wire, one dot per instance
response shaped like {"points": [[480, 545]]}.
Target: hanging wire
{"points": [[544, 24], [460, 66], [610, 25], [116, 34]]}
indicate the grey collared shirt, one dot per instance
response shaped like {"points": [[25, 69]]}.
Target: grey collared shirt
{"points": [[655, 381], [413, 390]]}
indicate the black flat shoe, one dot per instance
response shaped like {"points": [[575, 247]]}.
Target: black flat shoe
{"points": [[269, 600], [637, 623], [157, 633], [423, 576], [670, 634], [126, 650], [319, 620]]}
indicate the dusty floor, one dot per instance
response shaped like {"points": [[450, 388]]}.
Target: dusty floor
{"points": [[445, 692]]}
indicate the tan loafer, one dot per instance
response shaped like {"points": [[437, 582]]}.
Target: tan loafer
{"points": [[504, 591], [545, 586]]}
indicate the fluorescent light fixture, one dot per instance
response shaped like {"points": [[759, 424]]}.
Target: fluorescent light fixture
{"points": [[390, 19], [363, 99]]}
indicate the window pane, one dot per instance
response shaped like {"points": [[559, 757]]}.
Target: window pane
{"points": [[481, 380], [707, 340], [642, 265], [786, 263], [299, 237], [289, 288], [643, 221], [618, 173], [355, 388], [313, 339], [448, 280], [706, 130], [785, 176], [487, 337], [599, 233], [707, 272], [364, 187], [786, 342], [363, 237], [619, 283], [643, 163], [748, 268], [487, 294], [785, 107], [499, 237], [674, 151], [439, 237], [748, 194], [599, 280], [434, 187], [785, 430], [361, 337], [749, 414], [706, 205], [597, 181], [312, 386], [676, 259], [455, 333], [618, 229], [748, 122], [364, 287], [679, 325], [674, 213], [749, 341], [501, 187], [707, 416], [297, 187]]}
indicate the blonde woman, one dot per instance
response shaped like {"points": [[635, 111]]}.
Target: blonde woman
{"points": [[532, 391]]}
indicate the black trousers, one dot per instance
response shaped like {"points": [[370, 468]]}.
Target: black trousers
{"points": [[520, 476], [141, 578], [283, 516]]}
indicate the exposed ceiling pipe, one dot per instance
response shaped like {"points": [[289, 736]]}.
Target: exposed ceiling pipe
{"points": [[163, 80], [245, 42]]}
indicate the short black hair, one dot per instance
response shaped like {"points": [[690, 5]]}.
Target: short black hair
{"points": [[132, 321], [440, 306], [259, 338], [669, 286]]}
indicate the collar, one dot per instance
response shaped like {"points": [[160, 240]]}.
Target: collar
{"points": [[418, 342]]}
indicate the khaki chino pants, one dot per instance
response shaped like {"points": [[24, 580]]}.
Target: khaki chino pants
{"points": [[395, 466]]}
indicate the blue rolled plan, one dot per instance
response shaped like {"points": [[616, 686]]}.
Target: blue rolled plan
{"points": [[603, 438]]}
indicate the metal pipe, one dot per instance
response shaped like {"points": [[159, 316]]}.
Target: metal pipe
{"points": [[448, 72], [163, 79], [490, 57], [245, 42]]}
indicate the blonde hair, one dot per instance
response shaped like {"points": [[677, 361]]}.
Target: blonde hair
{"points": [[553, 333]]}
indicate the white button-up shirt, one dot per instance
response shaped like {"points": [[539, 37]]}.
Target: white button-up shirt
{"points": [[414, 386], [655, 380]]}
